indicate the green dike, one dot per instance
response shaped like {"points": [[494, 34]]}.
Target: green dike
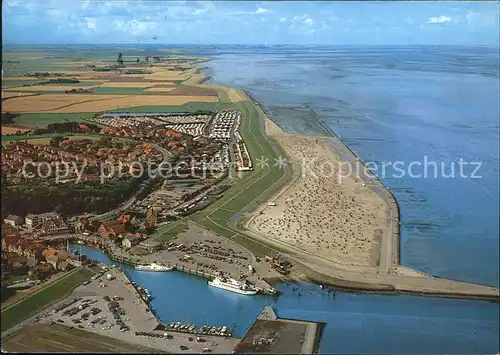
{"points": [[41, 300], [216, 216]]}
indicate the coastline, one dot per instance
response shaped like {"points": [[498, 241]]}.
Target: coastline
{"points": [[391, 277], [412, 282]]}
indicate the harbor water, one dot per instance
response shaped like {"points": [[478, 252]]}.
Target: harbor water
{"points": [[355, 323]]}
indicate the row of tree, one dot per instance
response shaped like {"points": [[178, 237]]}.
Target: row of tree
{"points": [[68, 198]]}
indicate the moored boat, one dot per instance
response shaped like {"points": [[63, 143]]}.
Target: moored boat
{"points": [[232, 285], [154, 267]]}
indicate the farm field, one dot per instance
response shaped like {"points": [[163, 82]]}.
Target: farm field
{"points": [[58, 338], [36, 302], [125, 84], [33, 120], [108, 90], [9, 94], [57, 87], [12, 130], [45, 139]]}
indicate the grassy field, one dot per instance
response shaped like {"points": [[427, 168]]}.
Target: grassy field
{"points": [[44, 139], [119, 90], [18, 82], [170, 231], [42, 299], [43, 119], [33, 139], [188, 107], [58, 338], [96, 90], [244, 191]]}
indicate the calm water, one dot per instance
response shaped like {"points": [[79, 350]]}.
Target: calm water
{"points": [[359, 324], [400, 105]]}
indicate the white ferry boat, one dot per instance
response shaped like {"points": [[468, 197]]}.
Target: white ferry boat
{"points": [[154, 267], [233, 285]]}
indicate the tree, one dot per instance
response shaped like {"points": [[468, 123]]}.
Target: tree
{"points": [[147, 59], [120, 59], [138, 60], [54, 141], [104, 141]]}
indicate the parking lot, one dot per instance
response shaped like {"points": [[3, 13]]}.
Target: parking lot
{"points": [[114, 308]]}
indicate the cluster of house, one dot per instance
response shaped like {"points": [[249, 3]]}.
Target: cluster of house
{"points": [[83, 154], [149, 119], [241, 157], [31, 254], [223, 124], [26, 242], [39, 225], [109, 231], [195, 129]]}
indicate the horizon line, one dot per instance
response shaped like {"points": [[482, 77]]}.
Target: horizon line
{"points": [[249, 44]]}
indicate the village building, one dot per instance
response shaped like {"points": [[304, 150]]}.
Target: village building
{"points": [[14, 220], [129, 241], [9, 231], [33, 220], [82, 225], [111, 229], [52, 260], [151, 217], [52, 226]]}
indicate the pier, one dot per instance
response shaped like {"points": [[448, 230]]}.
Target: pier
{"points": [[271, 334]]}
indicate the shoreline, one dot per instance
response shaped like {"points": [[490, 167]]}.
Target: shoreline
{"points": [[423, 284]]}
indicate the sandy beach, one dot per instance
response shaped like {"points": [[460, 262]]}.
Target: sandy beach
{"points": [[332, 216]]}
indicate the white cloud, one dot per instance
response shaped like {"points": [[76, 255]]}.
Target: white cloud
{"points": [[91, 23], [309, 22], [207, 6], [283, 19], [439, 19], [12, 3], [304, 19], [262, 10], [134, 27]]}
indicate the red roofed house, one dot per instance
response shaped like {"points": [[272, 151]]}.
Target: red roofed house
{"points": [[111, 229]]}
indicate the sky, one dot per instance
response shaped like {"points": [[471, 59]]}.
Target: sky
{"points": [[248, 22]]}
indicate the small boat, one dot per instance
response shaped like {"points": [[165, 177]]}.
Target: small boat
{"points": [[232, 285], [154, 267]]}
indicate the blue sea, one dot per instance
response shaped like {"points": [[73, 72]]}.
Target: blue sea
{"points": [[410, 107], [395, 104]]}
